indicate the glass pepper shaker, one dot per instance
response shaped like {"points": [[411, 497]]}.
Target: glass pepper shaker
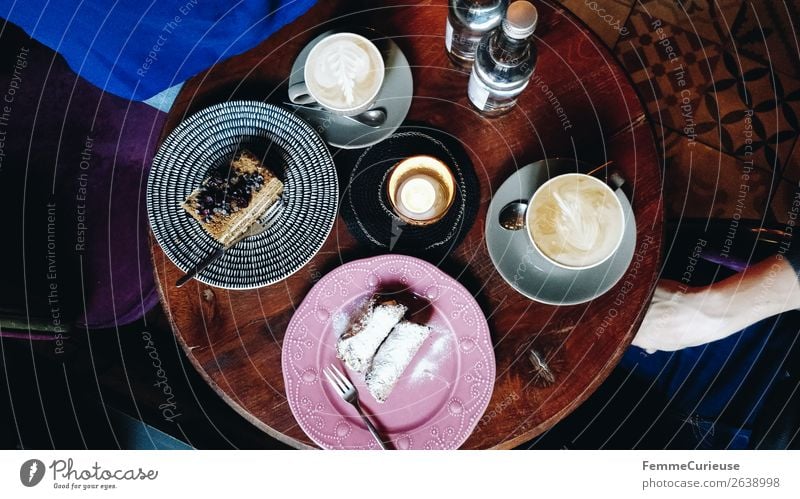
{"points": [[467, 22], [504, 61]]}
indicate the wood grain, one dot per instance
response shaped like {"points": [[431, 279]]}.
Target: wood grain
{"points": [[234, 338]]}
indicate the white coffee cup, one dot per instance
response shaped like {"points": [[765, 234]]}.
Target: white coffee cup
{"points": [[343, 73], [575, 221]]}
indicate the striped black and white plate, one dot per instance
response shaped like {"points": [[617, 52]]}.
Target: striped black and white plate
{"points": [[290, 147]]}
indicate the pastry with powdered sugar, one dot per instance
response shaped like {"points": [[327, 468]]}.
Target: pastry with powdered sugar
{"points": [[394, 356], [371, 325]]}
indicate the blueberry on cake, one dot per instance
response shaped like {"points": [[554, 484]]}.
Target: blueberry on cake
{"points": [[394, 356], [233, 196], [366, 332]]}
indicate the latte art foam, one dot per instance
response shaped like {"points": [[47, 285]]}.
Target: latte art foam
{"points": [[575, 220], [344, 72]]}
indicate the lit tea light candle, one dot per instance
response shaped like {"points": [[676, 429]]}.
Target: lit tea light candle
{"points": [[420, 189], [418, 194]]}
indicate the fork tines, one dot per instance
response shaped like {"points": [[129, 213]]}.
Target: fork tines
{"points": [[338, 380]]}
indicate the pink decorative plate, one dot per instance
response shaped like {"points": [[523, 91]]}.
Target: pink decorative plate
{"points": [[443, 392]]}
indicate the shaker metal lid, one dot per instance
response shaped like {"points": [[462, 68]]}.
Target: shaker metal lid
{"points": [[520, 21]]}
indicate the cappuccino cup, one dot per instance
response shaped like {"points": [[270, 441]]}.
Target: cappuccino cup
{"points": [[575, 221], [343, 73]]}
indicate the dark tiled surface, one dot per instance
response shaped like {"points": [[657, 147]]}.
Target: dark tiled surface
{"points": [[732, 86], [761, 30], [788, 189], [702, 75], [765, 30], [706, 19], [785, 194], [791, 171], [746, 101], [666, 83], [703, 182]]}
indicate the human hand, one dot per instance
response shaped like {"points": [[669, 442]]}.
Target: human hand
{"points": [[679, 318]]}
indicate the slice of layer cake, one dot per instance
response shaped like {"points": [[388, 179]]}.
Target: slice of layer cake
{"points": [[366, 332], [394, 356], [233, 196]]}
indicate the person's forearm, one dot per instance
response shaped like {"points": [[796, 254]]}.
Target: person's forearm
{"points": [[681, 317], [768, 288]]}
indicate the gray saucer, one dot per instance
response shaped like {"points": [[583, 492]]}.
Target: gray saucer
{"points": [[395, 95], [525, 270]]}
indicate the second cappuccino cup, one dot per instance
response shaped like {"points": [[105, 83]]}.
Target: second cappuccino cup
{"points": [[575, 221]]}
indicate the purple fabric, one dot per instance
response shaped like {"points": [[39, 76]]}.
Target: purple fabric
{"points": [[73, 166]]}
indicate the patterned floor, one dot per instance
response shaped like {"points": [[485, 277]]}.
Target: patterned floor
{"points": [[721, 80]]}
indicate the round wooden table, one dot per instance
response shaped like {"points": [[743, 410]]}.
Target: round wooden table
{"points": [[234, 338]]}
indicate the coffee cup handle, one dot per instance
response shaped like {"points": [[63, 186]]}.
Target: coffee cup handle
{"points": [[615, 180], [299, 94]]}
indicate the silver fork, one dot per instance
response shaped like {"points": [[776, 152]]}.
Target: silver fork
{"points": [[349, 394], [259, 226]]}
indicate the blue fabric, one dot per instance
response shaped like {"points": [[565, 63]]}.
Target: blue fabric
{"points": [[135, 434], [706, 397], [717, 390], [137, 48]]}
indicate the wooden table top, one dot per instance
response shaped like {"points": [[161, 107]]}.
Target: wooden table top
{"points": [[234, 338]]}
